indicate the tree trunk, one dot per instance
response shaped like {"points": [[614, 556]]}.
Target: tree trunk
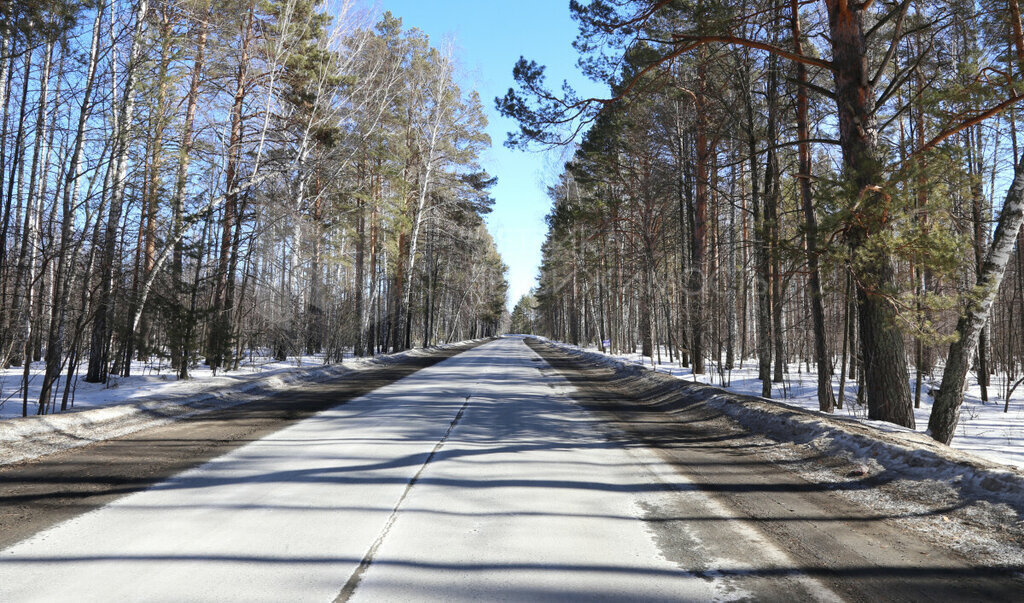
{"points": [[847, 312], [978, 218], [59, 306], [885, 364], [733, 289], [826, 399], [772, 200], [1015, 26], [30, 232], [946, 409], [683, 198], [646, 342], [700, 222], [6, 65], [920, 275], [181, 327], [219, 345], [360, 303], [763, 305], [100, 343], [16, 192]]}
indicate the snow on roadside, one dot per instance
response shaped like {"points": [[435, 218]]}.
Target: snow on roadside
{"points": [[984, 429], [147, 400], [148, 379]]}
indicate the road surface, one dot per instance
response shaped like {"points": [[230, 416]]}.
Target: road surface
{"points": [[478, 478]]}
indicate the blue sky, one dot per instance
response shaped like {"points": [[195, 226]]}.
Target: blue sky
{"points": [[489, 37]]}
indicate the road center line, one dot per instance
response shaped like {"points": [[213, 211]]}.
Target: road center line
{"points": [[353, 581]]}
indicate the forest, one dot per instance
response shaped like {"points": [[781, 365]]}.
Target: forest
{"points": [[196, 181], [830, 183]]}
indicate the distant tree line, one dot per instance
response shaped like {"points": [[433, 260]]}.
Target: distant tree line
{"points": [[195, 181], [832, 183], [525, 316]]}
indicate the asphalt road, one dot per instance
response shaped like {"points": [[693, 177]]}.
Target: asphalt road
{"points": [[477, 478]]}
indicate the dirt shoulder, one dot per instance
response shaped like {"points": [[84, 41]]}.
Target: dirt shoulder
{"points": [[37, 494], [867, 533]]}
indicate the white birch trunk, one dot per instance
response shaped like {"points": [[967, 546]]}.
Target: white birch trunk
{"points": [[105, 308], [27, 256], [946, 410], [58, 315]]}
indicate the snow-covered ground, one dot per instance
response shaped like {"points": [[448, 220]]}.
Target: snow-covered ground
{"points": [[148, 379], [984, 429]]}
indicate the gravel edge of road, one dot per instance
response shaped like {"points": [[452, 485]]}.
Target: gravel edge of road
{"points": [[27, 438], [911, 468]]}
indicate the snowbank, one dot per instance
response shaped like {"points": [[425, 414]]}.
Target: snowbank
{"points": [[984, 429]]}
